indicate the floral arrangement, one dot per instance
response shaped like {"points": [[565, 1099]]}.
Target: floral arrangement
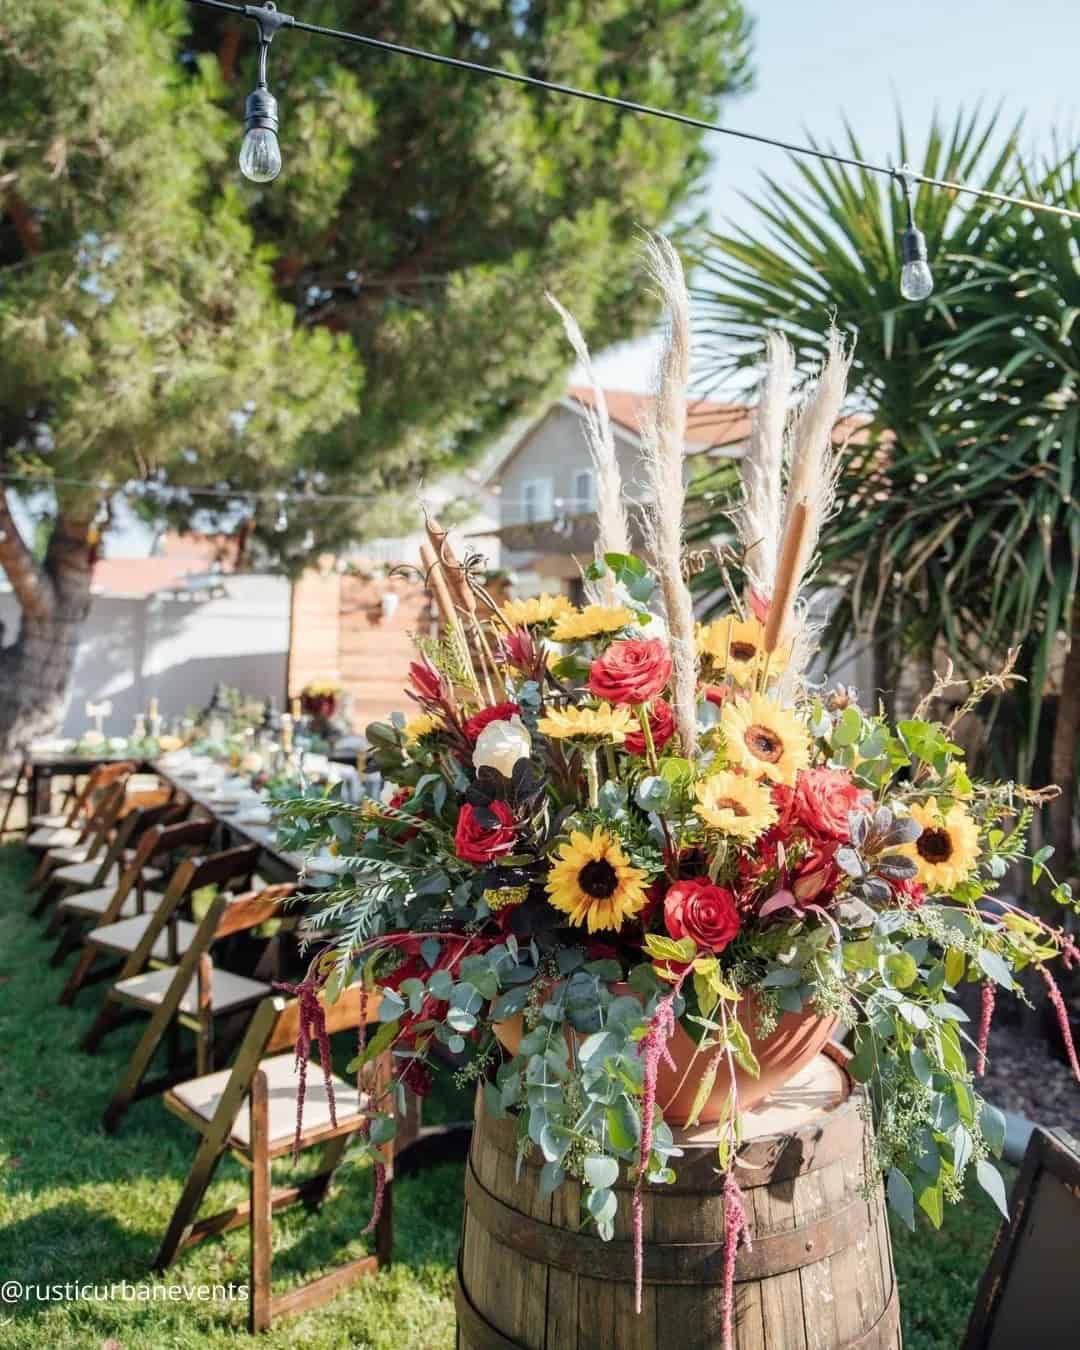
{"points": [[624, 854], [320, 700]]}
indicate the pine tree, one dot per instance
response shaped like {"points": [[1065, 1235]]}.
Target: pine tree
{"points": [[372, 316]]}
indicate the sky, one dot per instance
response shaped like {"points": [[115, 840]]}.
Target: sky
{"points": [[819, 61]]}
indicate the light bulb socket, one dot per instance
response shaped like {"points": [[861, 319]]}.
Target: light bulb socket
{"points": [[913, 246], [260, 111]]}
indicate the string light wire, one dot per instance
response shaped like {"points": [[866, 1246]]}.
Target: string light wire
{"points": [[629, 105]]}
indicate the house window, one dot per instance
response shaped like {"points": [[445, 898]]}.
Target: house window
{"points": [[584, 491], [536, 501]]}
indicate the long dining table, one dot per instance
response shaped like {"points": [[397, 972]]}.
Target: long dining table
{"points": [[281, 865]]}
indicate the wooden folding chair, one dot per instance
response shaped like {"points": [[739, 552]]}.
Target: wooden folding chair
{"points": [[57, 830], [121, 914], [190, 994], [214, 1106], [231, 868], [117, 829], [16, 787], [91, 849]]}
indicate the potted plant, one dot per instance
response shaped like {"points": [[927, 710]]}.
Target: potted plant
{"points": [[638, 869]]}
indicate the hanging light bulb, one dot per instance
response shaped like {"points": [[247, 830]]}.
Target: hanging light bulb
{"points": [[282, 522], [916, 279], [260, 154]]}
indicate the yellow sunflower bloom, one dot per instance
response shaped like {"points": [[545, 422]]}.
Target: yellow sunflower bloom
{"points": [[602, 723], [763, 739], [537, 609], [592, 621], [423, 724], [736, 647], [735, 805], [948, 848], [593, 882]]}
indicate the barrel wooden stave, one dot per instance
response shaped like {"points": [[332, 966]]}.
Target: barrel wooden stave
{"points": [[526, 1278]]}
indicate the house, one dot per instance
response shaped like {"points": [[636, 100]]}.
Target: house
{"points": [[546, 488]]}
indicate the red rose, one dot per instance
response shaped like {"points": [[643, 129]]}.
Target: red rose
{"points": [[475, 842], [823, 798], [716, 693], [633, 671], [661, 724], [697, 909], [502, 712]]}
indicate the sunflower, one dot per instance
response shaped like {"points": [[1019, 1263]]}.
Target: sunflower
{"points": [[948, 848], [735, 805], [602, 723], [763, 739], [423, 724], [592, 621], [594, 883], [737, 648], [537, 609]]}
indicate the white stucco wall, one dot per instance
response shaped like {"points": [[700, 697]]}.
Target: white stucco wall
{"points": [[134, 649]]}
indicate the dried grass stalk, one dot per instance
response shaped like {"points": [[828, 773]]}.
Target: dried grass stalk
{"points": [[663, 444], [613, 534], [814, 467], [759, 519], [811, 483], [782, 606]]}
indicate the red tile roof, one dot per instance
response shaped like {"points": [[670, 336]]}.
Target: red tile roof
{"points": [[708, 424], [181, 556]]}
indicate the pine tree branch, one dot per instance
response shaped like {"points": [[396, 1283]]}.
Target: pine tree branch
{"points": [[33, 588]]}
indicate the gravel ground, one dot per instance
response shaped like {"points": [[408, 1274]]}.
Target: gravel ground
{"points": [[1022, 1074]]}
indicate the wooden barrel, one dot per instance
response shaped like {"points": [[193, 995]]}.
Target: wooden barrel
{"points": [[819, 1275]]}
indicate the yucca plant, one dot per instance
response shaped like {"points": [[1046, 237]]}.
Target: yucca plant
{"points": [[1016, 420], [829, 251]]}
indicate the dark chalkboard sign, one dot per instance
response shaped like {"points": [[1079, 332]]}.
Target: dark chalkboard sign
{"points": [[1029, 1296]]}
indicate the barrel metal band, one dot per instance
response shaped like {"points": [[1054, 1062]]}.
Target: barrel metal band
{"points": [[668, 1262]]}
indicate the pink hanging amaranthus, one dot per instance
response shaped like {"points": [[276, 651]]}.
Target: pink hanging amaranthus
{"points": [[310, 1027], [986, 1016], [736, 1230], [652, 1048], [1063, 1020]]}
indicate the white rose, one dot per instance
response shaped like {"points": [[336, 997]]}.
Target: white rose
{"points": [[501, 744]]}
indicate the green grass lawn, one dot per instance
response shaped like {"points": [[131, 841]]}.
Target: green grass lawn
{"points": [[77, 1205]]}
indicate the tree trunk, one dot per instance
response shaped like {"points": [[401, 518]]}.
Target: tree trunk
{"points": [[1063, 758], [54, 598]]}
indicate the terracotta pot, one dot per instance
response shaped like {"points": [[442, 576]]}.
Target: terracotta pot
{"points": [[797, 1039]]}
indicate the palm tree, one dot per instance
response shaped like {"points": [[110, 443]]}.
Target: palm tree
{"points": [[828, 252]]}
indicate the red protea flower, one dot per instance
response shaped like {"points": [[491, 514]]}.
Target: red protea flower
{"points": [[520, 649], [425, 680]]}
